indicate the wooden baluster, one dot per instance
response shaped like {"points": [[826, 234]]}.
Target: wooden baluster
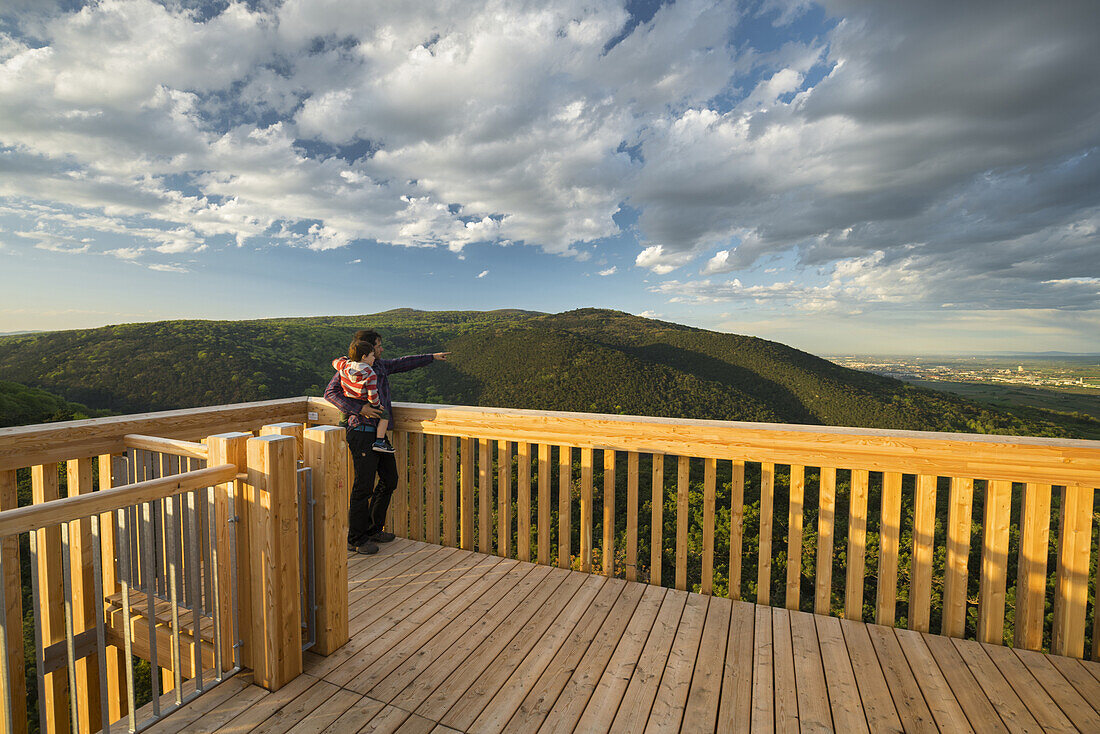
{"points": [[111, 474], [682, 519], [857, 545], [543, 548], [737, 526], [565, 506], [450, 525], [1031, 569], [889, 541], [657, 520], [608, 549], [764, 564], [416, 486], [54, 715], [826, 518], [710, 471], [1071, 587], [504, 499], [991, 591], [924, 531], [432, 489], [400, 501], [586, 510], [79, 472], [523, 501], [466, 499], [795, 513], [632, 516], [485, 497], [958, 553], [15, 687]]}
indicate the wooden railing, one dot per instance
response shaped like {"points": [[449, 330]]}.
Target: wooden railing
{"points": [[947, 533], [112, 472]]}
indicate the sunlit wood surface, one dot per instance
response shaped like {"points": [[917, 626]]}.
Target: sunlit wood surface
{"points": [[449, 640]]}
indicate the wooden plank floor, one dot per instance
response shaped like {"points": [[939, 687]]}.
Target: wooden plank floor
{"points": [[444, 640]]}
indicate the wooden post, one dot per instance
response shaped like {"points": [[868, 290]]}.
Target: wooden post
{"points": [[504, 499], [924, 530], [826, 518], [416, 485], [889, 541], [111, 474], [710, 472], [54, 711], [737, 526], [586, 509], [79, 473], [657, 521], [523, 501], [565, 506], [1031, 581], [297, 430], [485, 496], [466, 496], [16, 685], [431, 490], [325, 454], [450, 526], [795, 512], [1071, 588], [764, 562], [632, 516], [958, 553], [683, 473], [543, 547], [608, 550], [276, 638], [991, 590], [232, 448], [857, 546]]}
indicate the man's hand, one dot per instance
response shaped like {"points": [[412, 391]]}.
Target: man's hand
{"points": [[369, 411], [441, 356]]}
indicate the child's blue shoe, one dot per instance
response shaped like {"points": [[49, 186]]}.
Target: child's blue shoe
{"points": [[383, 446]]}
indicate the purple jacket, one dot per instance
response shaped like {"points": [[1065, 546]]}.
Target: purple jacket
{"points": [[383, 368]]}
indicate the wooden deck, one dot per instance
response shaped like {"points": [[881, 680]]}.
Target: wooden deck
{"points": [[446, 640]]}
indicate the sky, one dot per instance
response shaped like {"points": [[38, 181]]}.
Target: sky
{"points": [[843, 177]]}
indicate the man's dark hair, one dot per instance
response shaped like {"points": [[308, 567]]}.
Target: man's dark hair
{"points": [[368, 335]]}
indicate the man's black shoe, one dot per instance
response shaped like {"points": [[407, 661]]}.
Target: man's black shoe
{"points": [[367, 548], [381, 537]]}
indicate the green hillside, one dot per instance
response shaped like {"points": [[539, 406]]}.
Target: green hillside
{"points": [[586, 360], [21, 405]]}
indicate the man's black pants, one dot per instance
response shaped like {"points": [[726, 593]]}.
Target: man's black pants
{"points": [[369, 501]]}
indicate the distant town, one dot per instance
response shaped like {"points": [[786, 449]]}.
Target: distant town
{"points": [[1062, 371]]}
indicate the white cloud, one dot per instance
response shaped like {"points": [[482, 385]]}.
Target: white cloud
{"points": [[167, 268], [483, 273], [126, 253], [609, 271]]}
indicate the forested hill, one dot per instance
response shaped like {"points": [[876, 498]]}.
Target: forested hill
{"points": [[587, 360]]}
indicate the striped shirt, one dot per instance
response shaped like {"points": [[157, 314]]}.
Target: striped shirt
{"points": [[357, 379]]}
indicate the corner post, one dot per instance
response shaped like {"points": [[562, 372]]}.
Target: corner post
{"points": [[231, 448], [276, 636], [326, 455]]}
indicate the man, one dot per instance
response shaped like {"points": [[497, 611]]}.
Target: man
{"points": [[369, 502]]}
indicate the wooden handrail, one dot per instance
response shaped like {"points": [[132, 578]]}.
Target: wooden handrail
{"points": [[173, 446], [55, 512], [46, 443], [1070, 462]]}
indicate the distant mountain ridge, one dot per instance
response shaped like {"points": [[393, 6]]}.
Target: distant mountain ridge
{"points": [[591, 360]]}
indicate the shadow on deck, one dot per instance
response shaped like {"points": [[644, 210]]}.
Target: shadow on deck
{"points": [[448, 640]]}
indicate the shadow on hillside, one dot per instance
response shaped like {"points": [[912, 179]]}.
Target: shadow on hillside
{"points": [[779, 398]]}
